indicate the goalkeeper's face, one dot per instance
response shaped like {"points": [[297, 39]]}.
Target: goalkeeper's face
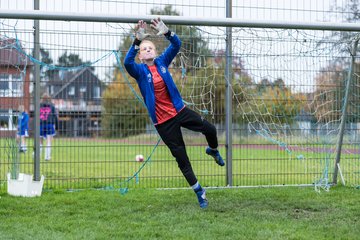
{"points": [[147, 51]]}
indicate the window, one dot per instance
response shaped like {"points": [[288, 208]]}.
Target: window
{"points": [[96, 92], [4, 84], [71, 90], [7, 120], [11, 85], [83, 89], [17, 85]]}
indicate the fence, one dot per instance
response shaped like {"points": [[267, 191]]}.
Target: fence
{"points": [[277, 96]]}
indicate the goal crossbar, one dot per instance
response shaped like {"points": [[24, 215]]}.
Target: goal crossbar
{"points": [[179, 20]]}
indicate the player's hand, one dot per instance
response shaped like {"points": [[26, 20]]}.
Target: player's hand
{"points": [[159, 26], [140, 33]]}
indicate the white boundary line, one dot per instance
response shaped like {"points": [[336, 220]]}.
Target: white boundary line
{"points": [[341, 175]]}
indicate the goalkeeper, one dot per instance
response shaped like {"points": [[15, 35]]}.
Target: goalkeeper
{"points": [[163, 100]]}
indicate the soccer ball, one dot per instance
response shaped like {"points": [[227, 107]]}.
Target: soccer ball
{"points": [[139, 158]]}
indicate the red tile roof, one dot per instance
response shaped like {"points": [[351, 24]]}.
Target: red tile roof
{"points": [[9, 54]]}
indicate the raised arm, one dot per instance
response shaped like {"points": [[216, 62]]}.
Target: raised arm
{"points": [[130, 65], [170, 53]]}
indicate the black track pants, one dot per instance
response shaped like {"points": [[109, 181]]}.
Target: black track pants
{"points": [[170, 133]]}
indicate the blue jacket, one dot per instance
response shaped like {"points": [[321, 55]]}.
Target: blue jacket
{"points": [[144, 79], [23, 122]]}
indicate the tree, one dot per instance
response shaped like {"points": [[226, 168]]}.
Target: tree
{"points": [[279, 83], [271, 102], [241, 87], [65, 60], [330, 92], [45, 56], [123, 114], [263, 86], [351, 10], [72, 60], [45, 59], [193, 45], [330, 82], [280, 105]]}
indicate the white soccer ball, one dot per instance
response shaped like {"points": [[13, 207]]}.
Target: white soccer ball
{"points": [[139, 158]]}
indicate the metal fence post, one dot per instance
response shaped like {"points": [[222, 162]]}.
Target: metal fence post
{"points": [[344, 109], [36, 97], [228, 78]]}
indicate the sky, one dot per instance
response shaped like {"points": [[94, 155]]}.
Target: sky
{"points": [[285, 10], [256, 47]]}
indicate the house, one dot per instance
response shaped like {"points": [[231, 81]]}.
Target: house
{"points": [[77, 98], [15, 68]]}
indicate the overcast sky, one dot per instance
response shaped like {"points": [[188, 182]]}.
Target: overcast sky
{"points": [[287, 10], [58, 36]]}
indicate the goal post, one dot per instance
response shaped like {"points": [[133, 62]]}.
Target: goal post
{"points": [[265, 71]]}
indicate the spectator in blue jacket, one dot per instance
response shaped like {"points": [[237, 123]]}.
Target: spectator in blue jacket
{"points": [[164, 102], [23, 128]]}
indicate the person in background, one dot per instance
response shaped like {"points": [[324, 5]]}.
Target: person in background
{"points": [[164, 103], [48, 124], [23, 128]]}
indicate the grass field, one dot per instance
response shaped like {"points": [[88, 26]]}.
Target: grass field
{"points": [[96, 163], [251, 213]]}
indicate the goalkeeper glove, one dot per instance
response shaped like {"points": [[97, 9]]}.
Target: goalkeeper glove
{"points": [[140, 33], [159, 26]]}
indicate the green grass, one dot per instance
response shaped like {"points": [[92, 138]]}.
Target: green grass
{"points": [[252, 213], [95, 163]]}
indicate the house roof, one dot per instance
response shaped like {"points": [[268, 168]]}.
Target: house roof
{"points": [[10, 55], [68, 78]]}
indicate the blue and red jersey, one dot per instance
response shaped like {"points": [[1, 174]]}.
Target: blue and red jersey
{"points": [[145, 80]]}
